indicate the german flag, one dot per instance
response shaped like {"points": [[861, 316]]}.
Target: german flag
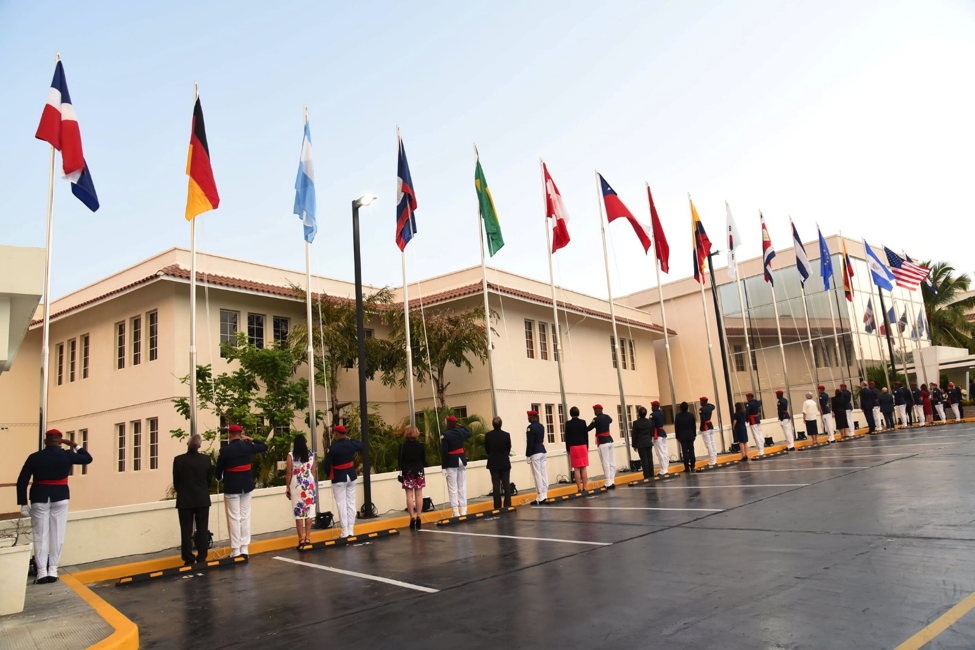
{"points": [[202, 196]]}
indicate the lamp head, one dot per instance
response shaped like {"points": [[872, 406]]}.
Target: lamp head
{"points": [[365, 199]]}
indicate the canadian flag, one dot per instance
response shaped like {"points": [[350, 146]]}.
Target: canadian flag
{"points": [[555, 208]]}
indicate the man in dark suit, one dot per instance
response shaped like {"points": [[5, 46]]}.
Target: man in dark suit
{"points": [[234, 469], [497, 444], [192, 472]]}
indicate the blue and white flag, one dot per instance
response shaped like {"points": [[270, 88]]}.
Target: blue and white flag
{"points": [[882, 277], [305, 188], [802, 261], [825, 261]]}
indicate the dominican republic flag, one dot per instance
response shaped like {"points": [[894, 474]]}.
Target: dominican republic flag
{"points": [[802, 261], [663, 248], [902, 323], [882, 277], [734, 241], [59, 128], [555, 209], [616, 210], [869, 320], [825, 261], [847, 274], [768, 253], [891, 318], [305, 203], [702, 245], [908, 274], [927, 279], [405, 200]]}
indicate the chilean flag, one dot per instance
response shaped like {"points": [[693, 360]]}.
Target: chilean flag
{"points": [[768, 253], [616, 210], [59, 128], [405, 201], [555, 209]]}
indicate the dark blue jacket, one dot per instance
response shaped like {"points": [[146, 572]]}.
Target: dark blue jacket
{"points": [[658, 419], [535, 435], [50, 464], [231, 464], [601, 424], [936, 395], [452, 447], [954, 395], [342, 452], [740, 423], [782, 407], [848, 400], [916, 394], [754, 411], [824, 403], [908, 396], [706, 411], [899, 396], [867, 399]]}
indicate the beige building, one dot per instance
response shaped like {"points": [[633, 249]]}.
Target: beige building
{"points": [[119, 347]]}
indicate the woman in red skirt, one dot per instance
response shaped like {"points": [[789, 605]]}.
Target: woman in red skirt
{"points": [[926, 402], [577, 441]]}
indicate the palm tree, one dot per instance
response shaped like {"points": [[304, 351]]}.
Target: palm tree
{"points": [[944, 311]]}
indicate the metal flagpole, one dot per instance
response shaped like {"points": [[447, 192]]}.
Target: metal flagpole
{"points": [[555, 306], [919, 370], [196, 95], [487, 309], [663, 318], [854, 332], [722, 346], [745, 321], [45, 345], [778, 329], [707, 328], [832, 319], [805, 311], [312, 410], [406, 319], [616, 339], [900, 335], [883, 357]]}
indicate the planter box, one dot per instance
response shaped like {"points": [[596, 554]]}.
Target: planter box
{"points": [[14, 562]]}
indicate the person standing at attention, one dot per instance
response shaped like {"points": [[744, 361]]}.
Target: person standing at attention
{"points": [[339, 463], [604, 444], [302, 486], [660, 437], [937, 398], [810, 415], [455, 465], [829, 424], [866, 405], [577, 444], [954, 400], [643, 440], [900, 403], [754, 413], [887, 408], [412, 463], [908, 395], [841, 413], [535, 452], [234, 469], [707, 431], [848, 401], [685, 430], [785, 420], [192, 473], [919, 419], [497, 444], [739, 423], [926, 404]]}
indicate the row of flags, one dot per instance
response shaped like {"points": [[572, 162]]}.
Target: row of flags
{"points": [[870, 322]]}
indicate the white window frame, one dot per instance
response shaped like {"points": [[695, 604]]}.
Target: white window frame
{"points": [[542, 341], [152, 331], [120, 340], [85, 355], [257, 341], [72, 360], [230, 335], [135, 427], [152, 424], [120, 441], [550, 422], [530, 338], [83, 435], [60, 363], [135, 326]]}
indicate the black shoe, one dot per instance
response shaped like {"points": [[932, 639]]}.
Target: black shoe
{"points": [[418, 523], [245, 556], [201, 560], [611, 486], [187, 562], [412, 523]]}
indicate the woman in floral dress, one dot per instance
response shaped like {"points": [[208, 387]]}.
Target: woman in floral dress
{"points": [[302, 483]]}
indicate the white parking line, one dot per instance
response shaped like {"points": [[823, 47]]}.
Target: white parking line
{"points": [[707, 487], [906, 453], [795, 469], [608, 508], [389, 581], [534, 539]]}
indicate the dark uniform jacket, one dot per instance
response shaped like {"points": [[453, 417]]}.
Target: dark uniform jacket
{"points": [[535, 434], [601, 424], [908, 396], [867, 399], [954, 395], [706, 411], [936, 395], [576, 433], [452, 452], [497, 444], [50, 468], [824, 403], [339, 462], [234, 465], [642, 433], [658, 419], [848, 399], [900, 394], [192, 472], [886, 403], [916, 394], [685, 427], [782, 407], [754, 411]]}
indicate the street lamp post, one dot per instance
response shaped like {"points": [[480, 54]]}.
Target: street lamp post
{"points": [[367, 507]]}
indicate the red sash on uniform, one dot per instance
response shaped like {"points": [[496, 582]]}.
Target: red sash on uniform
{"points": [[753, 419], [331, 472], [59, 481], [456, 452], [239, 468], [605, 433], [707, 425], [657, 431]]}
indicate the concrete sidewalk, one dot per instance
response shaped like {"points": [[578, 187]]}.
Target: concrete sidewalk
{"points": [[54, 616]]}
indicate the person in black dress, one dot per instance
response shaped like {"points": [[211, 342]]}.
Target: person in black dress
{"points": [[740, 427], [838, 404], [412, 463], [685, 429]]}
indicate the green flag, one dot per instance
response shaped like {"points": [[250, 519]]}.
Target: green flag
{"points": [[488, 213]]}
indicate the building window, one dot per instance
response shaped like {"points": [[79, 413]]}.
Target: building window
{"points": [[550, 422], [619, 418], [623, 352], [848, 349], [555, 342], [83, 435], [561, 423], [459, 411], [530, 338], [739, 357], [612, 347], [280, 329], [816, 356], [255, 330], [228, 329], [72, 358], [632, 354], [120, 445], [153, 443], [60, 363], [84, 357], [629, 413], [537, 408], [754, 361], [543, 341], [136, 340], [120, 345], [136, 445], [153, 318]]}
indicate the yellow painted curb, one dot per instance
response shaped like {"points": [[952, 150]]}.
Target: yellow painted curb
{"points": [[126, 634]]}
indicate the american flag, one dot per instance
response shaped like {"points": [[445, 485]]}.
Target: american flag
{"points": [[908, 274]]}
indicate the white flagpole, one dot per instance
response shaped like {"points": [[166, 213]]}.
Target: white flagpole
{"points": [[707, 329], [196, 96], [663, 318], [778, 329], [745, 319], [919, 369], [406, 319], [46, 335], [616, 339], [555, 306], [805, 311], [900, 335], [883, 318], [312, 410], [832, 319], [487, 308], [854, 331]]}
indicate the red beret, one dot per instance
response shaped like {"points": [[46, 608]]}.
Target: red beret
{"points": [[703, 399], [820, 387], [53, 432], [339, 429], [933, 383], [532, 412], [654, 403], [451, 418], [871, 383], [897, 383], [950, 384], [597, 406], [233, 428], [913, 383], [749, 394], [842, 385], [780, 392]]}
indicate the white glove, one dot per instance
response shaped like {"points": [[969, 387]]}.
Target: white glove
{"points": [[25, 511]]}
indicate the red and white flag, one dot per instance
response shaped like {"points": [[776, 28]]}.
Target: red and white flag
{"points": [[555, 209], [59, 126]]}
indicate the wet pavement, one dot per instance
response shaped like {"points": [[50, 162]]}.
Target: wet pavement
{"points": [[859, 545]]}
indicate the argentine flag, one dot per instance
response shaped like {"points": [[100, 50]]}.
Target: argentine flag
{"points": [[305, 188]]}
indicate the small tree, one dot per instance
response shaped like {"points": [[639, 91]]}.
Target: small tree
{"points": [[944, 312]]}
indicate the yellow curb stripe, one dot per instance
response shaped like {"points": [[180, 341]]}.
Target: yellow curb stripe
{"points": [[939, 625], [126, 634]]}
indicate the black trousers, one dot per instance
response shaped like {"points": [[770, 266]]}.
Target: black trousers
{"points": [[201, 516], [868, 414], [687, 451], [501, 485], [889, 420], [646, 461], [910, 414]]}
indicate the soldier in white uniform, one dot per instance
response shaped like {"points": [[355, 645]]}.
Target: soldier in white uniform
{"points": [[707, 431]]}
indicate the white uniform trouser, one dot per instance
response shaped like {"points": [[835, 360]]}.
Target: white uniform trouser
{"points": [[537, 461], [940, 408], [457, 488], [660, 446], [956, 410], [878, 418], [849, 421], [757, 437], [789, 431], [344, 493], [49, 521], [902, 413], [607, 457], [710, 446], [829, 425], [919, 414], [239, 514]]}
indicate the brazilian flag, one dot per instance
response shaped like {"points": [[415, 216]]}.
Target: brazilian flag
{"points": [[491, 226]]}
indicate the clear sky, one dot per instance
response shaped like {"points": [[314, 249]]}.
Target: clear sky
{"points": [[858, 115]]}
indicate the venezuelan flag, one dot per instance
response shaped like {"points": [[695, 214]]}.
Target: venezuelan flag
{"points": [[702, 245], [202, 195]]}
